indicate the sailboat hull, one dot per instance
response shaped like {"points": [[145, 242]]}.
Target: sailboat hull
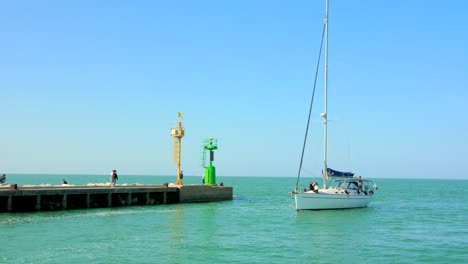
{"points": [[322, 201]]}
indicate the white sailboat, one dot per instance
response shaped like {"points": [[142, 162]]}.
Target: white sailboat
{"points": [[340, 190]]}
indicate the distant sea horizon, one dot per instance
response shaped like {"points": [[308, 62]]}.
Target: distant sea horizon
{"points": [[188, 175]]}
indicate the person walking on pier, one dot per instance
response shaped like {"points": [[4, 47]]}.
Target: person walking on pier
{"points": [[114, 177]]}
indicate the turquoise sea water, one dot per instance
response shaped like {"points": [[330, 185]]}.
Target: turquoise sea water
{"points": [[409, 221]]}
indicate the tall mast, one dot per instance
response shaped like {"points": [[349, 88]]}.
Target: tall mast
{"points": [[324, 114]]}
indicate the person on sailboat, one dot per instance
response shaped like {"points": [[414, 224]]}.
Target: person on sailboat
{"points": [[313, 186], [360, 184]]}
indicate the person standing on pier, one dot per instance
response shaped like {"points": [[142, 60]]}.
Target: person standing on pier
{"points": [[2, 179], [114, 177]]}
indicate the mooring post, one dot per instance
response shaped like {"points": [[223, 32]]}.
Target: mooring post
{"points": [[10, 203], [88, 200], [129, 199], [147, 198], [164, 197], [38, 202], [64, 202], [109, 200]]}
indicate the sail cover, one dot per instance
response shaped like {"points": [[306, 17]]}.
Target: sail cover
{"points": [[334, 173]]}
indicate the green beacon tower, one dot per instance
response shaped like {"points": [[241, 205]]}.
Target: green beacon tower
{"points": [[210, 145]]}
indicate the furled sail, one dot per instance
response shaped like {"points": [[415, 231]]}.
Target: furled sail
{"points": [[334, 173]]}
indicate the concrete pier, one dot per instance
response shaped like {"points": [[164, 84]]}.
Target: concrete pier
{"points": [[53, 198]]}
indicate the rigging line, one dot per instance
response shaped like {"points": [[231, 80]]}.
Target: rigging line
{"points": [[349, 149], [310, 108]]}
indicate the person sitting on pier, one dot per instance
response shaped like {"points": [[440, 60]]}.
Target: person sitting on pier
{"points": [[64, 181], [114, 177], [3, 179]]}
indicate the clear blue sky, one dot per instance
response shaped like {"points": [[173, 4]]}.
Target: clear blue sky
{"points": [[88, 86]]}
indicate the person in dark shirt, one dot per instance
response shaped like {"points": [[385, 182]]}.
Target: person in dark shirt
{"points": [[114, 177], [3, 178]]}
